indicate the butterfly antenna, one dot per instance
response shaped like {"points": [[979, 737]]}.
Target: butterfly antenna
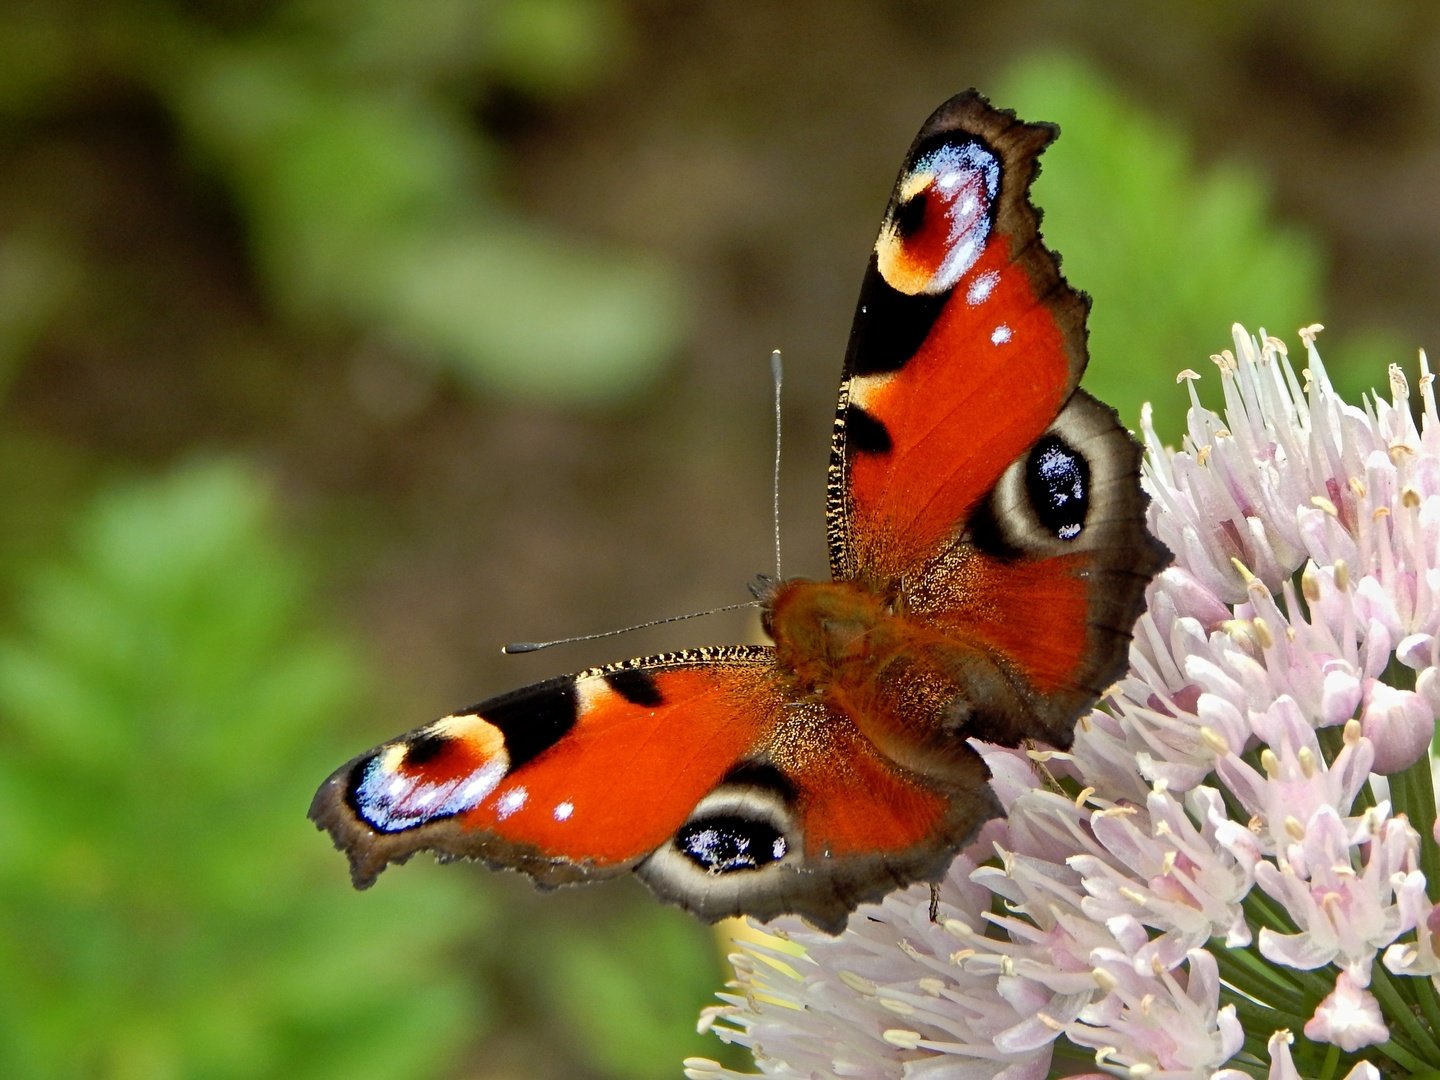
{"points": [[777, 375], [535, 646]]}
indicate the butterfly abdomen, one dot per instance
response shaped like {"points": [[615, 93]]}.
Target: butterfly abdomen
{"points": [[989, 558]]}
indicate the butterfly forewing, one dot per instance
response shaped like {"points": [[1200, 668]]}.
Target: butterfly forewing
{"points": [[970, 479], [966, 343], [989, 557], [697, 767]]}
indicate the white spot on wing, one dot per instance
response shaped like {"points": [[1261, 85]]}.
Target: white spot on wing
{"points": [[509, 802], [564, 810], [1001, 335], [981, 288]]}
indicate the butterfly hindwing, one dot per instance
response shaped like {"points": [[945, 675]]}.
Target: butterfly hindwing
{"points": [[815, 822], [1045, 580], [988, 555]]}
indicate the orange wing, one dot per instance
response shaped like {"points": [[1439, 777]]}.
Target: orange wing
{"points": [[693, 769], [969, 477], [966, 343], [985, 520]]}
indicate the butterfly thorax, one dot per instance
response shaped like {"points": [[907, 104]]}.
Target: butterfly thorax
{"points": [[828, 634], [987, 537], [848, 645]]}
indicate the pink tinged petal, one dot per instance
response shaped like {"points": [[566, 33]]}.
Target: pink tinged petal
{"points": [[1165, 874], [1038, 1031], [1344, 916], [1400, 724], [1112, 763], [1167, 1020], [1012, 773], [1349, 1018], [1420, 957], [1417, 651], [1297, 783], [1301, 951], [1189, 598], [1374, 602], [1326, 539], [1427, 685], [1379, 643], [1225, 718], [1340, 696], [1282, 1065]]}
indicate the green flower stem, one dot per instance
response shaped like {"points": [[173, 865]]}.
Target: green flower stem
{"points": [[1398, 1012], [1256, 977], [1401, 1056], [1424, 994], [1414, 793], [1332, 1063]]}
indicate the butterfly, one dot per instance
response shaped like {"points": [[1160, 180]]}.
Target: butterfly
{"points": [[988, 558]]}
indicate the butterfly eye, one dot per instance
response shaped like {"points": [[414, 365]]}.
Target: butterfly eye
{"points": [[1058, 482], [1061, 493], [737, 839], [939, 228], [724, 844], [406, 785]]}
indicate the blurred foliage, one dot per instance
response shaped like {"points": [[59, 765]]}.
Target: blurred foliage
{"points": [[35, 278], [632, 994], [346, 136], [168, 696], [164, 704], [1171, 250]]}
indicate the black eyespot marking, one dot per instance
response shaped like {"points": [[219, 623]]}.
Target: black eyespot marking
{"points": [[726, 844], [864, 434], [1057, 479], [532, 719], [985, 532], [635, 686], [424, 749], [762, 775], [910, 215]]}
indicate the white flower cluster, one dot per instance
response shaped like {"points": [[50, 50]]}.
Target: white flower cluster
{"points": [[1223, 878]]}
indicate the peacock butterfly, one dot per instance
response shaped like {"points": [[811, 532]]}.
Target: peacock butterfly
{"points": [[988, 558]]}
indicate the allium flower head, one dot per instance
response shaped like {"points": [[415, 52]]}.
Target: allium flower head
{"points": [[1223, 877]]}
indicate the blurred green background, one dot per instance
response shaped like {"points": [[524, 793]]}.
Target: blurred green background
{"points": [[342, 341]]}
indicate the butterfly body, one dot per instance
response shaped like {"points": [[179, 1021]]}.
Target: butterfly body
{"points": [[988, 558]]}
